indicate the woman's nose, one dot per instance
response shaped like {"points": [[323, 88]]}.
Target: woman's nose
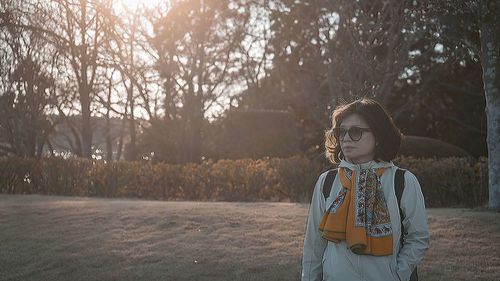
{"points": [[346, 137]]}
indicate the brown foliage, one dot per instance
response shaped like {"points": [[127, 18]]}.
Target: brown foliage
{"points": [[445, 182]]}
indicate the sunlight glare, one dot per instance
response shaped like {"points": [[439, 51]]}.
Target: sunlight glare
{"points": [[127, 3], [121, 5]]}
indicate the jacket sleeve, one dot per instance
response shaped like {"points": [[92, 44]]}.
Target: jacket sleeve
{"points": [[314, 245], [415, 224]]}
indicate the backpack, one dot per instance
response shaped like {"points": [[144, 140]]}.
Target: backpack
{"points": [[399, 185]]}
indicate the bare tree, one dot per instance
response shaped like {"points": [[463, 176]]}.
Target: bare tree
{"points": [[196, 42], [132, 56], [78, 29], [26, 82], [254, 50]]}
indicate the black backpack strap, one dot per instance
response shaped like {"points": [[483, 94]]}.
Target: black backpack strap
{"points": [[399, 186], [327, 184]]}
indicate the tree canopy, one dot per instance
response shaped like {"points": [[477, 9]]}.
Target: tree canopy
{"points": [[176, 68]]}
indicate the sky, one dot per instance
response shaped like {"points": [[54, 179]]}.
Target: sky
{"points": [[222, 103], [133, 3]]}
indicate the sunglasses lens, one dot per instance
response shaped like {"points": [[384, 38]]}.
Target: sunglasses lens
{"points": [[339, 132], [355, 133]]}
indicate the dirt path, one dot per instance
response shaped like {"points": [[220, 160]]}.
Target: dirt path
{"points": [[64, 238]]}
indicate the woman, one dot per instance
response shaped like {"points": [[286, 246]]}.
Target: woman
{"points": [[354, 233]]}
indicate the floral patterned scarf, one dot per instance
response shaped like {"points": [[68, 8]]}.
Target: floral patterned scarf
{"points": [[359, 214]]}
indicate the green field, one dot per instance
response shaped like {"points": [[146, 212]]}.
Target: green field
{"points": [[65, 238]]}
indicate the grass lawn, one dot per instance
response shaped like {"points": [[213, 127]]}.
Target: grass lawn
{"points": [[65, 238]]}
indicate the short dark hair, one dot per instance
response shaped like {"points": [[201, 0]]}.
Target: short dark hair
{"points": [[386, 133]]}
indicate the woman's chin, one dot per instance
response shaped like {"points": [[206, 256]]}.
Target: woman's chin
{"points": [[349, 155]]}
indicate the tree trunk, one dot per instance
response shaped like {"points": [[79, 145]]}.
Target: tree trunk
{"points": [[132, 147], [119, 148], [132, 153], [490, 37], [109, 145], [85, 87], [196, 131], [86, 128]]}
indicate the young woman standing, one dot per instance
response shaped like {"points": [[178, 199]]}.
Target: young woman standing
{"points": [[353, 234]]}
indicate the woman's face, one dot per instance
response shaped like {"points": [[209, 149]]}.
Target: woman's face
{"points": [[360, 151]]}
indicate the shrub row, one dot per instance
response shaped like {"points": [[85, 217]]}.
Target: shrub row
{"points": [[450, 181], [445, 182], [272, 179]]}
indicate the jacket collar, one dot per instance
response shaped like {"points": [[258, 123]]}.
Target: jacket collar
{"points": [[345, 163]]}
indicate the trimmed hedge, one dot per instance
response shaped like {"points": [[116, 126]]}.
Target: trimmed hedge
{"points": [[454, 181], [424, 147], [445, 182]]}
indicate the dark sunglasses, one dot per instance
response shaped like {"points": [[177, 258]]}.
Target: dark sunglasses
{"points": [[355, 133]]}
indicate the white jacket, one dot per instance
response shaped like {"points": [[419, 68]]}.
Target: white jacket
{"points": [[325, 260]]}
